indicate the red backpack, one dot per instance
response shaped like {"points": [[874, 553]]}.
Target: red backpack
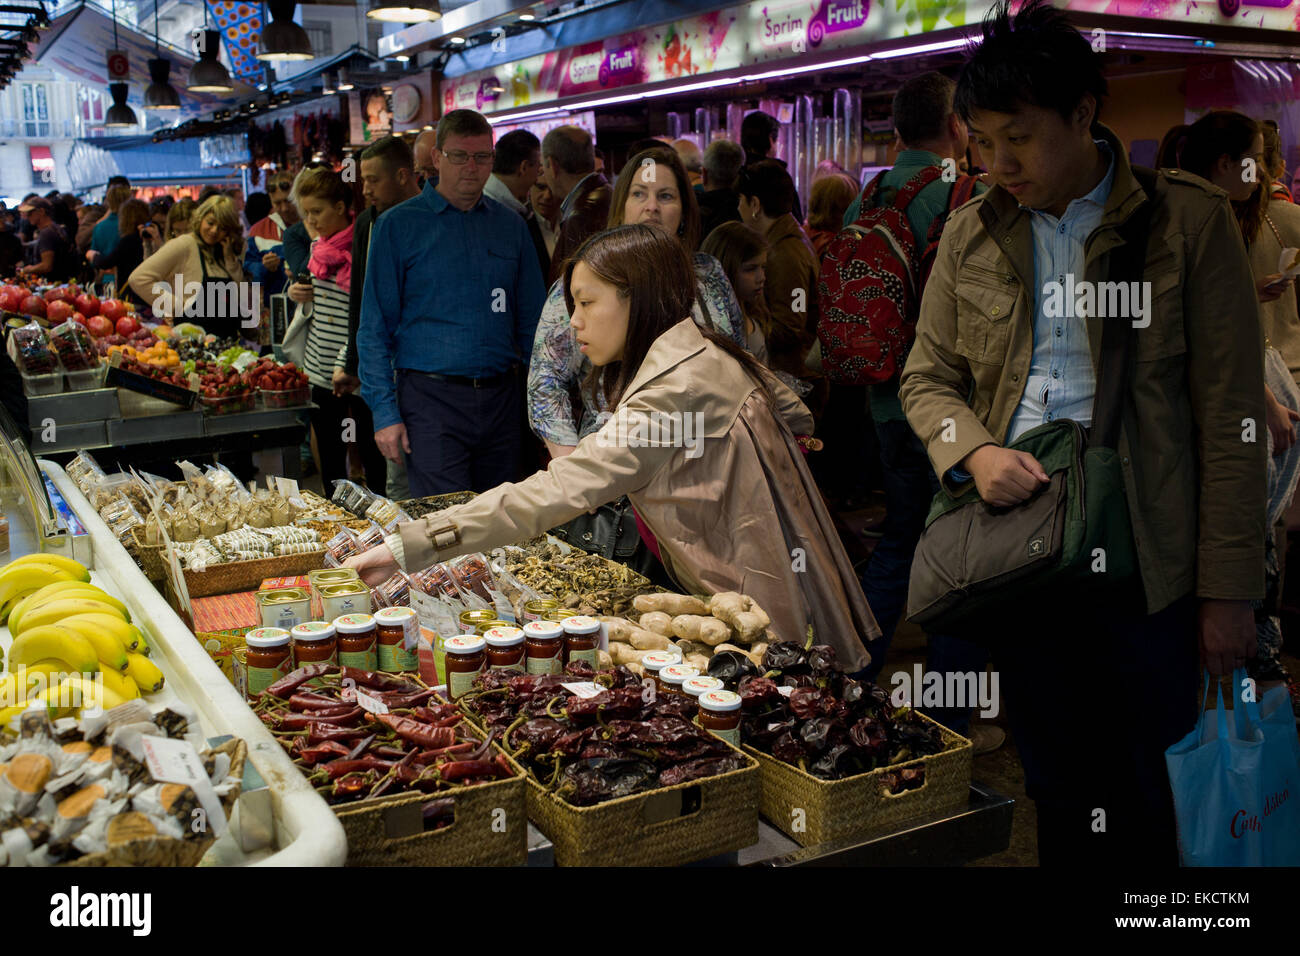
{"points": [[870, 284]]}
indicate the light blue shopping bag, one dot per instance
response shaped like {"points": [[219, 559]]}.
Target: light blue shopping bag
{"points": [[1237, 790]]}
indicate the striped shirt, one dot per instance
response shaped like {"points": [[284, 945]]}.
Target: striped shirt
{"points": [[327, 340]]}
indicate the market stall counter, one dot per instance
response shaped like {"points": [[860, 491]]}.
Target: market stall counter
{"points": [[279, 820]]}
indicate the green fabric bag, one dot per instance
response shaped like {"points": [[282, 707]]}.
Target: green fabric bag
{"points": [[1073, 539]]}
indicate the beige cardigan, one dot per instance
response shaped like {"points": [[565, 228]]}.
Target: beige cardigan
{"points": [[154, 280]]}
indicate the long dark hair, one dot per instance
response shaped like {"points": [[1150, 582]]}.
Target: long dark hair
{"points": [[654, 273], [1199, 146], [689, 230]]}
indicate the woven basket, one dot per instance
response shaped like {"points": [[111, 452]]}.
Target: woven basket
{"points": [[151, 557], [810, 810], [165, 851], [247, 575], [669, 826], [490, 827]]}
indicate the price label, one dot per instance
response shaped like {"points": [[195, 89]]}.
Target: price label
{"points": [[176, 761], [785, 691], [583, 689], [372, 704]]}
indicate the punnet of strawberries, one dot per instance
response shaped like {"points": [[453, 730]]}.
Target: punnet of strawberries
{"points": [[172, 376], [220, 381], [270, 376]]}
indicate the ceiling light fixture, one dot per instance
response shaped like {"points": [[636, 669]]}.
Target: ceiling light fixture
{"points": [[119, 114], [160, 95], [410, 12], [282, 38], [209, 75]]}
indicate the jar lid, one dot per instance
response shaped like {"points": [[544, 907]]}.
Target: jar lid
{"points": [[464, 644], [267, 637], [656, 660], [313, 631], [484, 626], [677, 673], [543, 630], [353, 623], [720, 700], [695, 686], [504, 637], [394, 615], [580, 624], [282, 595], [478, 615]]}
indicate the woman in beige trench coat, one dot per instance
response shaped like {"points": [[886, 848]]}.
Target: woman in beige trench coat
{"points": [[701, 440]]}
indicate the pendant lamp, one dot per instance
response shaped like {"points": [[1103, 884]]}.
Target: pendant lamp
{"points": [[160, 95], [410, 11], [282, 39], [209, 75]]}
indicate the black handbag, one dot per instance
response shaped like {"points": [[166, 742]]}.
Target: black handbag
{"points": [[611, 533]]}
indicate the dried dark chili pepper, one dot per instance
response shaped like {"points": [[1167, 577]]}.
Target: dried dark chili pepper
{"points": [[329, 750], [286, 685], [378, 680], [464, 769], [322, 732], [299, 721], [416, 732], [306, 700]]}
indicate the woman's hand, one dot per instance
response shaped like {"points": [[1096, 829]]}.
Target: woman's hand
{"points": [[1280, 423], [91, 256], [344, 384], [300, 292], [1272, 287], [271, 262], [374, 566]]}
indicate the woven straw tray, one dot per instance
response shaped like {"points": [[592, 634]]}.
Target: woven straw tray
{"points": [[810, 810]]}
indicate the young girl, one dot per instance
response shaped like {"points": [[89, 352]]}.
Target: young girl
{"points": [[743, 255], [325, 201], [702, 440]]}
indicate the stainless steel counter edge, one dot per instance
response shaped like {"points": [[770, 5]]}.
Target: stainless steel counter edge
{"points": [[316, 834]]}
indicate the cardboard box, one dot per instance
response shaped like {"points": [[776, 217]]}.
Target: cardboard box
{"points": [[295, 581]]}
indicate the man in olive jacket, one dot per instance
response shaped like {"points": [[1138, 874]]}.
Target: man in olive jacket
{"points": [[1096, 694]]}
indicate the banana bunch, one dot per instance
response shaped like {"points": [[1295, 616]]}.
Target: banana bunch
{"points": [[31, 572], [68, 627]]}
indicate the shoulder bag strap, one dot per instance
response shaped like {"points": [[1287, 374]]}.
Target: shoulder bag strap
{"points": [[1127, 263]]}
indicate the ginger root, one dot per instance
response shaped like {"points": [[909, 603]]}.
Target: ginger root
{"points": [[657, 621], [673, 604], [746, 618], [702, 630]]}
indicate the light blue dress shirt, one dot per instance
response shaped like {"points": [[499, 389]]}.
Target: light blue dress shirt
{"points": [[1061, 380]]}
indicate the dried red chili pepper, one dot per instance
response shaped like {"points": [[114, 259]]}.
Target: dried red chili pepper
{"points": [[417, 732], [286, 685], [464, 769], [328, 750], [307, 700], [322, 732], [299, 721], [379, 680], [338, 768]]}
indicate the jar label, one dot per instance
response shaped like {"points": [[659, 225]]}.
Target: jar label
{"points": [[589, 655], [517, 667], [260, 678], [730, 736], [545, 665], [394, 658], [365, 660], [459, 683]]}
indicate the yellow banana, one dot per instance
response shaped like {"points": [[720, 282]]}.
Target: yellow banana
{"points": [[9, 713], [79, 589], [120, 684], [144, 647], [15, 688], [56, 610], [144, 672], [108, 646], [12, 603], [61, 643], [79, 692], [14, 580], [128, 635], [74, 568]]}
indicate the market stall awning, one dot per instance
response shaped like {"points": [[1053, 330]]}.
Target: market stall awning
{"points": [[77, 42], [176, 162]]}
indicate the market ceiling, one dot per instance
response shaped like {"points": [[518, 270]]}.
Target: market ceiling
{"points": [[77, 42]]}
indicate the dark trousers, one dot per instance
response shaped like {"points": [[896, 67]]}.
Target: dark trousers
{"points": [[1095, 697], [339, 422], [462, 438]]}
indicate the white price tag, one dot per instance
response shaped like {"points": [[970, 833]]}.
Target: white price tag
{"points": [[371, 704], [583, 689], [785, 691], [176, 761]]}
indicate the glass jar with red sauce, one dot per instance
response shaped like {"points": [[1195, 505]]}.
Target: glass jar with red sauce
{"points": [[358, 641], [544, 643], [720, 714], [505, 649], [581, 639], [466, 657], [314, 642], [394, 626], [269, 658]]}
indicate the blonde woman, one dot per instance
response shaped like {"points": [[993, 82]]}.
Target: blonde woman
{"points": [[199, 277]]}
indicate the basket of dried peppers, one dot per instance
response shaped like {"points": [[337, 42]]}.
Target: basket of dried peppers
{"points": [[412, 782], [838, 759], [618, 776]]}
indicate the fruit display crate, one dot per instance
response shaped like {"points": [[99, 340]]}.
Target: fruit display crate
{"points": [[121, 378]]}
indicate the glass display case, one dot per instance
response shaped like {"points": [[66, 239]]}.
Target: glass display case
{"points": [[38, 517]]}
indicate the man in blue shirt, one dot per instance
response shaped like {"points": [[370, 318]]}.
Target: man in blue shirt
{"points": [[451, 300]]}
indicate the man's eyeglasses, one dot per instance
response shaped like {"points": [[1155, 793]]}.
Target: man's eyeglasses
{"points": [[458, 157]]}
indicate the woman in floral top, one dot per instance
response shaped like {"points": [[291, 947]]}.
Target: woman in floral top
{"points": [[645, 192]]}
